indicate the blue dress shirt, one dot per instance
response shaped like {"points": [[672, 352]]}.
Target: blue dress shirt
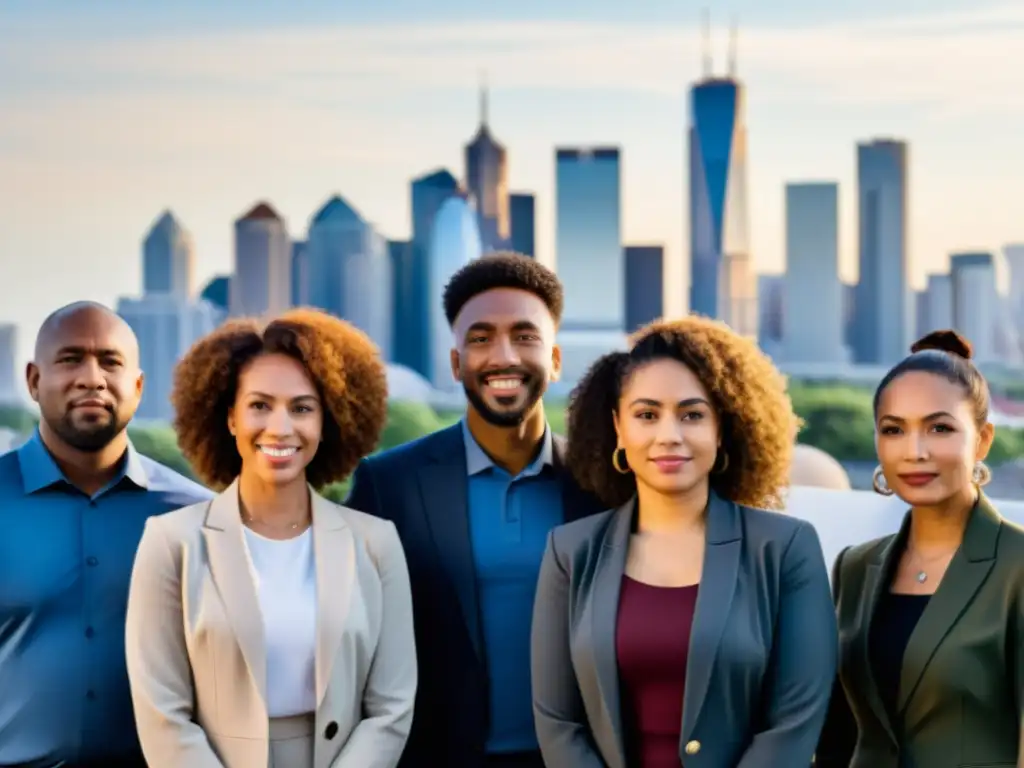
{"points": [[509, 522], [65, 564]]}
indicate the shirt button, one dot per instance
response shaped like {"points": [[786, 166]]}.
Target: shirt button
{"points": [[692, 747], [92, 562], [89, 631]]}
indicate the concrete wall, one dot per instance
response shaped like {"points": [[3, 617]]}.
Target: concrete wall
{"points": [[851, 517]]}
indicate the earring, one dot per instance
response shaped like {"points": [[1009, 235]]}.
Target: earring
{"points": [[619, 461], [878, 481], [981, 474], [725, 464]]}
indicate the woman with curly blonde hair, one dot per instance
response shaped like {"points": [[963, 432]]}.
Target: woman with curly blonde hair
{"points": [[271, 627], [686, 624]]}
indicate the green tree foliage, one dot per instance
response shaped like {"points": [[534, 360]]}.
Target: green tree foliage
{"points": [[160, 444], [837, 419], [17, 418]]}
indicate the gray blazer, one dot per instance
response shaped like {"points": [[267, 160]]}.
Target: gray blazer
{"points": [[762, 651]]}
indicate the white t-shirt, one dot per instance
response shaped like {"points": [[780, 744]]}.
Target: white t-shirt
{"points": [[285, 575]]}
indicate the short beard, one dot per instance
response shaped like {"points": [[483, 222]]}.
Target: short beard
{"points": [[87, 441], [506, 419]]}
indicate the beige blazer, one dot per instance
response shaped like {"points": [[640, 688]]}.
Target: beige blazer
{"points": [[195, 649]]}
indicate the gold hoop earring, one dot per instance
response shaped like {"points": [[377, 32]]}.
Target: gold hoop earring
{"points": [[619, 461], [725, 464], [879, 484], [982, 475]]}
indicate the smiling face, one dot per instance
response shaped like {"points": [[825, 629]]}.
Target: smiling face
{"points": [[86, 378], [277, 419], [668, 428], [927, 440], [505, 354]]}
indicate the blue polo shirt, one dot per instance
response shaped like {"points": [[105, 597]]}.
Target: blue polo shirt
{"points": [[65, 563], [509, 522]]}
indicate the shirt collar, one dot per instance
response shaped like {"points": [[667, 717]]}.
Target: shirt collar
{"points": [[478, 461], [39, 469]]}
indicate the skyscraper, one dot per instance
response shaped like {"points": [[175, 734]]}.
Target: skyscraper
{"points": [[218, 292], [300, 273], [588, 238], [454, 242], [167, 258], [524, 237], [723, 284], [412, 312], [645, 284], [976, 301], [263, 263], [938, 304], [166, 326], [487, 180], [884, 320], [350, 270], [813, 327]]}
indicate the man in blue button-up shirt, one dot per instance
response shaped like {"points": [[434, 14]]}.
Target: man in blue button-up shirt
{"points": [[73, 502]]}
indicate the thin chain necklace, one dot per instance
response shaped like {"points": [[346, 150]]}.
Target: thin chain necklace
{"points": [[922, 575], [250, 520]]}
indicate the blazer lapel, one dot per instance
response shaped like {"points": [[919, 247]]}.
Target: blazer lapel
{"points": [[876, 583], [724, 538], [233, 576], [443, 485], [967, 571], [611, 565], [335, 553]]}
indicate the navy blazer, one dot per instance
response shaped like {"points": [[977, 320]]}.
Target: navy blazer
{"points": [[762, 652], [422, 487]]}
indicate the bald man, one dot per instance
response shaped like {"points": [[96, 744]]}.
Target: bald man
{"points": [[73, 503]]}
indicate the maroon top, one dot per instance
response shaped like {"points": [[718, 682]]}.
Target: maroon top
{"points": [[652, 642]]}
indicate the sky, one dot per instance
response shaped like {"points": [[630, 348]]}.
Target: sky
{"points": [[112, 111]]}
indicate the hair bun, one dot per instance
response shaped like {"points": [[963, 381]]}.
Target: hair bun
{"points": [[949, 341]]}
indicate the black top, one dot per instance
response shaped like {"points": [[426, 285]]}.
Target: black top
{"points": [[895, 619]]}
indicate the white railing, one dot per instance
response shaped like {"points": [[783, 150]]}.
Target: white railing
{"points": [[851, 517]]}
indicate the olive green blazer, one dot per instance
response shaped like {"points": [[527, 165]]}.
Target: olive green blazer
{"points": [[962, 683]]}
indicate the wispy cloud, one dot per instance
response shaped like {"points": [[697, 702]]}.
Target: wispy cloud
{"points": [[945, 61]]}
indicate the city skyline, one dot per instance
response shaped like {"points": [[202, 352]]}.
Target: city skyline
{"points": [[209, 158]]}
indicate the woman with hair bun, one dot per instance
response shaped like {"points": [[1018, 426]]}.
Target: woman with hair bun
{"points": [[687, 624], [931, 619]]}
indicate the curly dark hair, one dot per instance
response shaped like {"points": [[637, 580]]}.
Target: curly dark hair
{"points": [[342, 362], [746, 390], [503, 269]]}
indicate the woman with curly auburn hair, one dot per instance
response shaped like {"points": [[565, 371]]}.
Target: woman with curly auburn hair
{"points": [[686, 624], [271, 627]]}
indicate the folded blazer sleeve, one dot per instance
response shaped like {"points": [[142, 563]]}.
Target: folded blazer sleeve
{"points": [[379, 739], [562, 729], [839, 734], [803, 659], [159, 671]]}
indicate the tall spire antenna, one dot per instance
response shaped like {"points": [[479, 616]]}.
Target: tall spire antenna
{"points": [[483, 98], [733, 34], [706, 40]]}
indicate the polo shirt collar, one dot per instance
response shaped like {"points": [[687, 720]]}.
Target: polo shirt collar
{"points": [[478, 461], [39, 469]]}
